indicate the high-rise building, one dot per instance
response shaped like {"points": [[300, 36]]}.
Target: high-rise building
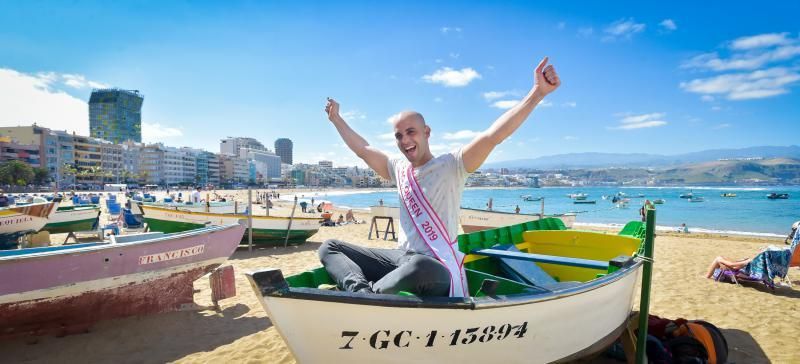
{"points": [[267, 165], [283, 148], [231, 145], [116, 115]]}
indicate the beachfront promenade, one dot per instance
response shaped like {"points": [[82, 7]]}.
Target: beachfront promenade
{"points": [[760, 326]]}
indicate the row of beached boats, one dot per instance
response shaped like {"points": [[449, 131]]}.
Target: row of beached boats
{"points": [[531, 282]]}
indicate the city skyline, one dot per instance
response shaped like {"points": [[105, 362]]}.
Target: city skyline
{"points": [[637, 77]]}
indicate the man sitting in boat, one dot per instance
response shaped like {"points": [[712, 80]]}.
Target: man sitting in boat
{"points": [[427, 261]]}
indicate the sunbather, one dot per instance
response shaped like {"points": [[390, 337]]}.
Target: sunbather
{"points": [[723, 262], [769, 263]]}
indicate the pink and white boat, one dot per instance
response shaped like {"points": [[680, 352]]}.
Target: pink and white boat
{"points": [[64, 289]]}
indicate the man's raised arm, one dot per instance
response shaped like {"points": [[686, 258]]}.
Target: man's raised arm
{"points": [[374, 158], [478, 150]]}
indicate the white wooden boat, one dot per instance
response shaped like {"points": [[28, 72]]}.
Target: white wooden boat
{"points": [[16, 221], [506, 319], [476, 220], [216, 207], [73, 218], [266, 229]]}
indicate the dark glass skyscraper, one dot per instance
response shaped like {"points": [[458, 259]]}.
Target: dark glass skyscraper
{"points": [[283, 148], [116, 115]]}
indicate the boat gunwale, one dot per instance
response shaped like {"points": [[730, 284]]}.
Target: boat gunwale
{"points": [[473, 303], [241, 216], [103, 245]]}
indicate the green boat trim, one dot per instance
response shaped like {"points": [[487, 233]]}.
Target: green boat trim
{"points": [[260, 236], [70, 226]]}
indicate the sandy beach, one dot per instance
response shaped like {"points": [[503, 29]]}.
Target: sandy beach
{"points": [[760, 326]]}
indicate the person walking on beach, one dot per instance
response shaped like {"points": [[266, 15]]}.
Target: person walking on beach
{"points": [[427, 261]]}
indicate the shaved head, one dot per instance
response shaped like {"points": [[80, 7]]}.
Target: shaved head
{"points": [[407, 115]]}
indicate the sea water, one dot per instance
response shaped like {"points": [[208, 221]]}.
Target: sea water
{"points": [[749, 213]]}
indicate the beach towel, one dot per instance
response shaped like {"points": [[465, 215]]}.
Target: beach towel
{"points": [[771, 263]]}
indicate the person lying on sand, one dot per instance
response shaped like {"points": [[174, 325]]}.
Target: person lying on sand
{"points": [[723, 262], [427, 261]]}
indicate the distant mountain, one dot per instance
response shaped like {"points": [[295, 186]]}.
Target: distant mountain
{"points": [[604, 160]]}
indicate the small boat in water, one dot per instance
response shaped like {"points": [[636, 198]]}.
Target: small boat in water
{"points": [[64, 289], [659, 201], [778, 196], [530, 198], [728, 194], [516, 311], [587, 202], [68, 219], [267, 230], [687, 194], [577, 196]]}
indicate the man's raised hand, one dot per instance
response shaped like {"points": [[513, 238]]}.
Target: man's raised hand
{"points": [[332, 109], [547, 79]]}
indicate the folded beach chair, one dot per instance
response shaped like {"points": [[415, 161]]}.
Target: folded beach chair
{"points": [[131, 222], [774, 262]]}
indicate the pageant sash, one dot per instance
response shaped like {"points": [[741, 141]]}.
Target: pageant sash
{"points": [[431, 229]]}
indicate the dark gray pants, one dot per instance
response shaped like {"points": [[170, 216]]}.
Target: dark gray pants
{"points": [[360, 269]]}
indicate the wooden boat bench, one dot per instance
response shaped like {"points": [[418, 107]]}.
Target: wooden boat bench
{"points": [[498, 252], [517, 265]]}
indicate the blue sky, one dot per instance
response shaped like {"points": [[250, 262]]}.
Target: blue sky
{"points": [[636, 76]]}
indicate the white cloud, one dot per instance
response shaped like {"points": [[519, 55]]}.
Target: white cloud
{"points": [[570, 104], [570, 137], [743, 86], [446, 30], [585, 32], [494, 95], [505, 104], [155, 132], [668, 25], [640, 121], [545, 103], [641, 118], [454, 55], [760, 41], [393, 118], [386, 136], [26, 98], [646, 124], [745, 61], [722, 126], [353, 115], [440, 148], [707, 98], [622, 29], [561, 25], [716, 108], [438, 99], [452, 78], [461, 134], [80, 82]]}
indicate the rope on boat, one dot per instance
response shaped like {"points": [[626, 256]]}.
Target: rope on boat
{"points": [[646, 259]]}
